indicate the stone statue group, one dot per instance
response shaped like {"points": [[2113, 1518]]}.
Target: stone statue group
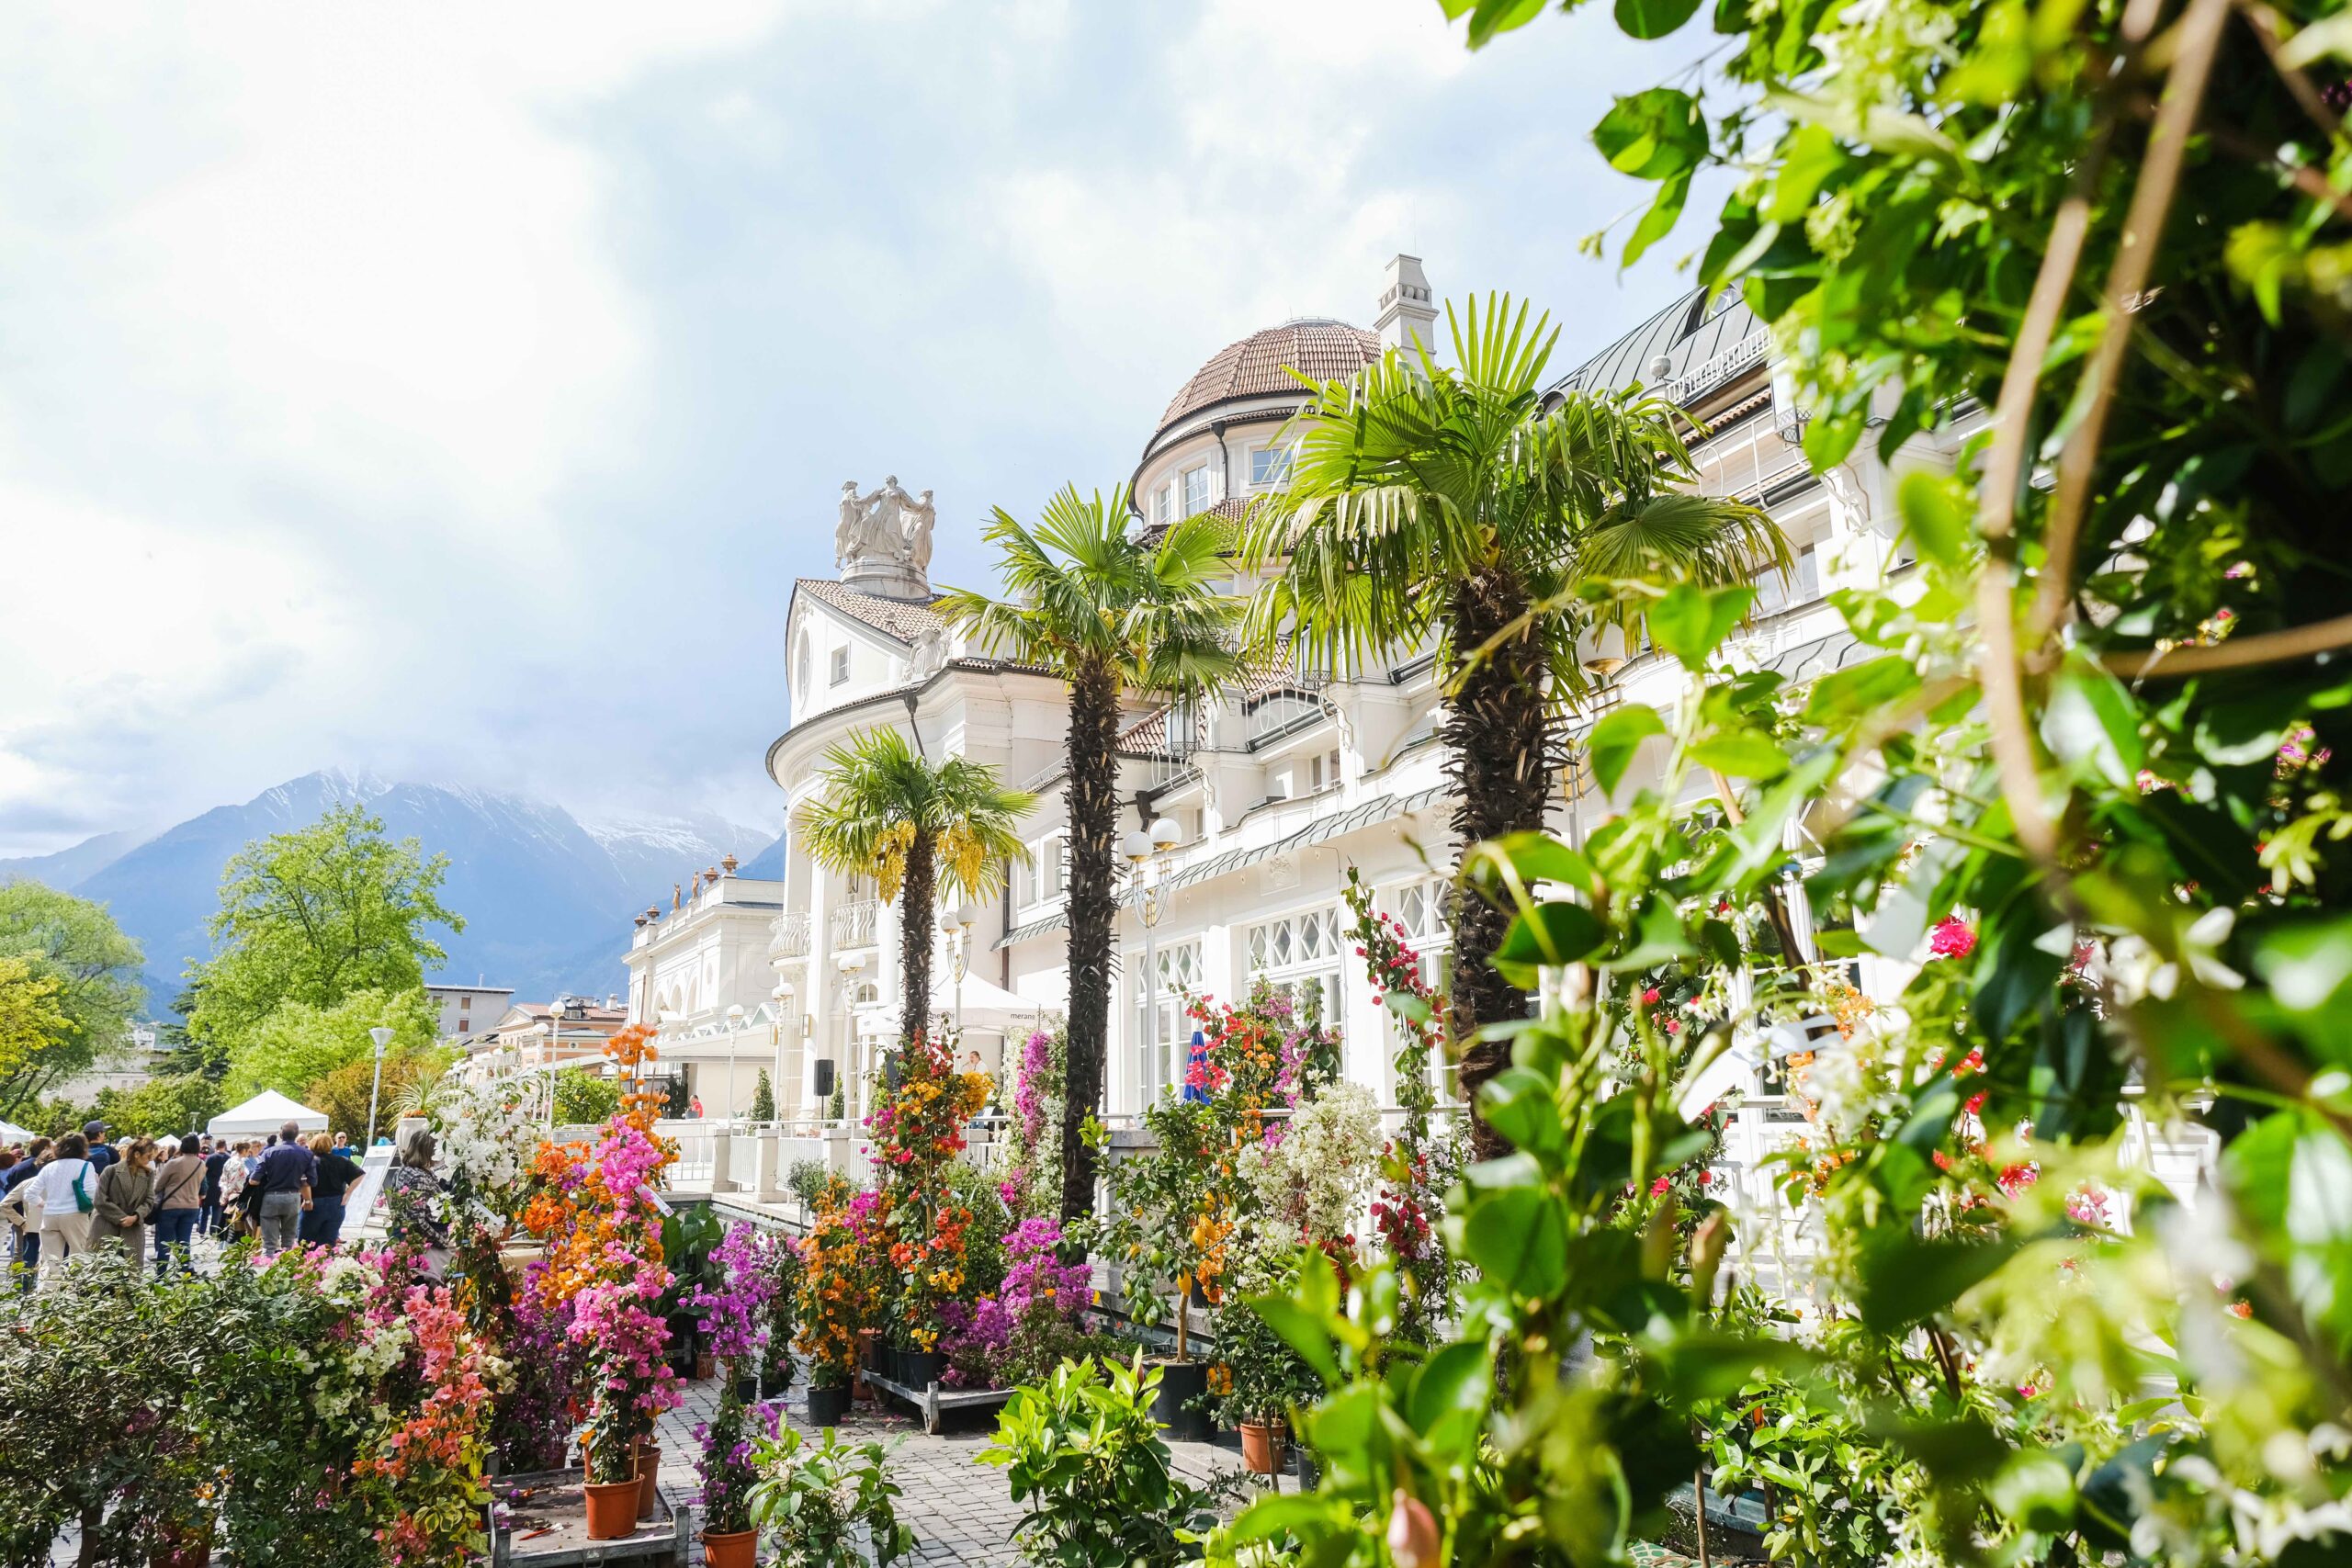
{"points": [[885, 525]]}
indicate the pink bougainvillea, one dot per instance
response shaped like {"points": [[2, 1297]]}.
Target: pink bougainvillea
{"points": [[1952, 938]]}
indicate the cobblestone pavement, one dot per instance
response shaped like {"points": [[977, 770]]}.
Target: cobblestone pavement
{"points": [[960, 1510]]}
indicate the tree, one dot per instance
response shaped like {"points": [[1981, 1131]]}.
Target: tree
{"points": [[169, 1105], [75, 945], [315, 915], [764, 1098], [341, 1096], [1449, 503], [881, 808], [1111, 616], [31, 1021], [299, 1043]]}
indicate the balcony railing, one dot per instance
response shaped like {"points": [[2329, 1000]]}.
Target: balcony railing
{"points": [[791, 936], [855, 925]]}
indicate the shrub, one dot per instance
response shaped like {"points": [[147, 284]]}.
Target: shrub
{"points": [[805, 1179], [764, 1098], [585, 1098], [1084, 1457], [813, 1500]]}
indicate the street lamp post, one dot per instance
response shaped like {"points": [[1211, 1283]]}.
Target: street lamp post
{"points": [[957, 923], [382, 1037], [1146, 855], [734, 1027]]}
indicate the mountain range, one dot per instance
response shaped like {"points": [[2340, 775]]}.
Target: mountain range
{"points": [[547, 899]]}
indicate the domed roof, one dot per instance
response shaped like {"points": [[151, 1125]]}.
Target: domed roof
{"points": [[1263, 361]]}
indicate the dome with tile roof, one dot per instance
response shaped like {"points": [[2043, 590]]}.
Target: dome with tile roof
{"points": [[1262, 363]]}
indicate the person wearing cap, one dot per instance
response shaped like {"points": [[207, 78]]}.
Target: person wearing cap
{"points": [[287, 1175], [102, 1153]]}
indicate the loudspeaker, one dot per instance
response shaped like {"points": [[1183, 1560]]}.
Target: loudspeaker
{"points": [[824, 1078]]}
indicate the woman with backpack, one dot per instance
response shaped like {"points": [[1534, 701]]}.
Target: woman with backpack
{"points": [[69, 1195]]}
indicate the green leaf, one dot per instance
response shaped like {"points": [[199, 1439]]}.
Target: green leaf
{"points": [[1517, 1237], [1741, 754], [1518, 1103], [1846, 695], [1532, 857], [2090, 722], [1489, 18], [1279, 1513], [1653, 135], [1302, 1331], [1937, 515], [1691, 621], [1907, 1280], [2036, 1489], [1808, 156], [1614, 739], [1654, 19], [1449, 1395], [1665, 212], [1560, 934]]}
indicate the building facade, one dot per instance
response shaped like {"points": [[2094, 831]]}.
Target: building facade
{"points": [[1276, 787], [459, 1010]]}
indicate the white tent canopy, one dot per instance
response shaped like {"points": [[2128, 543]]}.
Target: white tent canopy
{"points": [[266, 1113], [11, 1133], [985, 1007]]}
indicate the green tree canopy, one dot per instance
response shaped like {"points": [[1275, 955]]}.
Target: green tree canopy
{"points": [[75, 944], [342, 1095], [299, 1043], [314, 915]]}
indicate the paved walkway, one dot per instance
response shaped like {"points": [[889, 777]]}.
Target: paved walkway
{"points": [[961, 1511]]}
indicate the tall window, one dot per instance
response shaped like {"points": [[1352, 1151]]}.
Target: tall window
{"points": [[1160, 1025], [1268, 466], [1196, 491], [1803, 586], [1048, 875], [1421, 907], [1299, 957], [841, 665]]}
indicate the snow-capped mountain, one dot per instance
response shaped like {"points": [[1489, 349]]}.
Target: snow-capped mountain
{"points": [[547, 899]]}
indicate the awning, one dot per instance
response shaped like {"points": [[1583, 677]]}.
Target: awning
{"points": [[985, 1007]]}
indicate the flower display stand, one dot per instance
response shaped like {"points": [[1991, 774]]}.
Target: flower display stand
{"points": [[547, 1526], [932, 1401]]}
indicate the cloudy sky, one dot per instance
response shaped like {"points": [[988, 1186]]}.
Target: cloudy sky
{"points": [[455, 391]]}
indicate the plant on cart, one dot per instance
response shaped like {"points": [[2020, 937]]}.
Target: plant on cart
{"points": [[732, 1317], [1172, 1210], [779, 1258], [917, 1134], [833, 1306], [826, 1504], [1085, 1460]]}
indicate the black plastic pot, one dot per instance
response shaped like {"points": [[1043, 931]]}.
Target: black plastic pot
{"points": [[1310, 1471], [1183, 1388], [775, 1387], [747, 1388], [828, 1406], [920, 1369]]}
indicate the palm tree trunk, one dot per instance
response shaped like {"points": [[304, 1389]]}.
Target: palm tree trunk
{"points": [[1093, 818], [915, 917], [1500, 747]]}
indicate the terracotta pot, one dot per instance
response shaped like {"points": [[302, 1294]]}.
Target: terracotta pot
{"points": [[649, 1480], [735, 1549], [706, 1366], [612, 1509], [1262, 1446]]}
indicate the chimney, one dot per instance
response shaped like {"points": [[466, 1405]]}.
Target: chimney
{"points": [[1408, 308]]}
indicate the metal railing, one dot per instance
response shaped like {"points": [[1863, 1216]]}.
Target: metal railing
{"points": [[791, 936], [855, 925]]}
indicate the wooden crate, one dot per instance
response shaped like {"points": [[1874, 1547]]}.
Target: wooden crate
{"points": [[548, 1526]]}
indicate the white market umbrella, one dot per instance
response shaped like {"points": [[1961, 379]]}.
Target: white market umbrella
{"points": [[266, 1112]]}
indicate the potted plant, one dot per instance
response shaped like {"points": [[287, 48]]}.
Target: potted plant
{"points": [[1175, 1214], [816, 1499], [608, 1447], [728, 1538], [831, 1310], [731, 1315], [1264, 1379]]}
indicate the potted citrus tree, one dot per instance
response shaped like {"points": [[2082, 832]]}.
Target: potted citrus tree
{"points": [[1172, 1214]]}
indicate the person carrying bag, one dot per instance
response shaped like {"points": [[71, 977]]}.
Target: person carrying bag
{"points": [[69, 1195]]}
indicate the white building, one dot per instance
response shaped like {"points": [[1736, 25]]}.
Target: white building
{"points": [[459, 1010], [134, 1060], [701, 973], [1275, 788]]}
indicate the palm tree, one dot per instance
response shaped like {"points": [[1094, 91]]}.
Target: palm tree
{"points": [[886, 809], [1110, 614], [1428, 502]]}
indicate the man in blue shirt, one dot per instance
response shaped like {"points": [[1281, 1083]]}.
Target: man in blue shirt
{"points": [[287, 1175]]}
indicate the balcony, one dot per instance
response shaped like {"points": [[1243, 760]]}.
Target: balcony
{"points": [[790, 939], [855, 926]]}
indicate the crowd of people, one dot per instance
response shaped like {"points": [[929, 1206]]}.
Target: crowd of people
{"points": [[153, 1197]]}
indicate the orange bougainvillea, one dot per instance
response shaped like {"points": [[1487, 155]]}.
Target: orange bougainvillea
{"points": [[916, 1132]]}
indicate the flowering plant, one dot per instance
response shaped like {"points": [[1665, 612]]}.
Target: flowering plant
{"points": [[1312, 1181], [916, 1132], [732, 1316], [728, 1474], [778, 1259], [1038, 1310], [489, 1135], [832, 1296], [1033, 1183]]}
